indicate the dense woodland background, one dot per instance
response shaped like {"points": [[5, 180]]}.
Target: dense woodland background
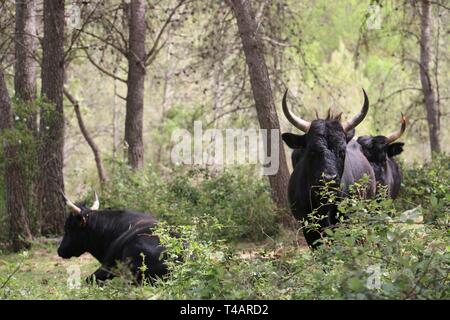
{"points": [[91, 91]]}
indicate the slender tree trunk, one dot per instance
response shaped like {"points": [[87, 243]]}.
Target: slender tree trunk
{"points": [[135, 83], [114, 118], [262, 92], [51, 180], [15, 196], [431, 106], [88, 138], [25, 90], [25, 66]]}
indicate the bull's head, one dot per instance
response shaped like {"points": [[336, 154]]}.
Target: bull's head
{"points": [[378, 148], [324, 142], [74, 242]]}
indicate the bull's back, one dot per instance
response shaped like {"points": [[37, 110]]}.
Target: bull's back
{"points": [[130, 225]]}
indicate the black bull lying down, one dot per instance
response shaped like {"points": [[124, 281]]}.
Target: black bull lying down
{"points": [[111, 236], [327, 156]]}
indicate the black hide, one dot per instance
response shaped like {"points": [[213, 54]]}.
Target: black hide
{"points": [[380, 156], [111, 236]]}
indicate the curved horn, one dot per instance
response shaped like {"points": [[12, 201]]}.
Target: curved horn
{"points": [[397, 134], [349, 125], [71, 204], [296, 121], [96, 203]]}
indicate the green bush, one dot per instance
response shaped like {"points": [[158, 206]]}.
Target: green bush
{"points": [[379, 252], [383, 249], [376, 252], [27, 143], [233, 205], [428, 186]]}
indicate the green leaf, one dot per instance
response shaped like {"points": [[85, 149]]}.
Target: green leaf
{"points": [[355, 284]]}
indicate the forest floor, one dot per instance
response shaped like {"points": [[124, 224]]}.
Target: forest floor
{"points": [[41, 267], [39, 273]]}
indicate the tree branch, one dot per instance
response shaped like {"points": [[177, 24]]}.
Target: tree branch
{"points": [[101, 171], [103, 70], [154, 50]]}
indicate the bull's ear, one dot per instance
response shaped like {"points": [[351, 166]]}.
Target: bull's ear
{"points": [[365, 141], [350, 134], [395, 149], [294, 141]]}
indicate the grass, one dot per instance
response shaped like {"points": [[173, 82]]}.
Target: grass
{"points": [[40, 273]]}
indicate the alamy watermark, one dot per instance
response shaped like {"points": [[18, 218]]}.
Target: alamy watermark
{"points": [[373, 21], [73, 276], [73, 16], [227, 147], [374, 279]]}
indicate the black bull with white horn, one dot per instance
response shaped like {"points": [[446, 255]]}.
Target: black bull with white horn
{"points": [[326, 155], [113, 235], [380, 151]]}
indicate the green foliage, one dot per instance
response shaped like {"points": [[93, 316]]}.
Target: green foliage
{"points": [[25, 139], [378, 251], [428, 186], [234, 205]]}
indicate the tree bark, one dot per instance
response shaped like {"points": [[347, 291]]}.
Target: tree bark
{"points": [[262, 92], [25, 65], [98, 161], [51, 180], [135, 83], [431, 106], [15, 196], [25, 90]]}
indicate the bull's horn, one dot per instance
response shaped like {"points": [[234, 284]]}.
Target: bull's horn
{"points": [[349, 125], [397, 134], [71, 205], [96, 203], [298, 122]]}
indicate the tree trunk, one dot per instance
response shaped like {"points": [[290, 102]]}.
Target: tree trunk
{"points": [[25, 91], [25, 66], [51, 179], [15, 196], [114, 118], [262, 92], [135, 84], [98, 161], [431, 106]]}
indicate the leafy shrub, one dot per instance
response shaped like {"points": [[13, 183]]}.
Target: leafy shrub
{"points": [[233, 205], [377, 252], [428, 185], [383, 249], [27, 143]]}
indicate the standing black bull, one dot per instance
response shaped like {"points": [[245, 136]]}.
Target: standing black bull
{"points": [[326, 156], [112, 236], [380, 150]]}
